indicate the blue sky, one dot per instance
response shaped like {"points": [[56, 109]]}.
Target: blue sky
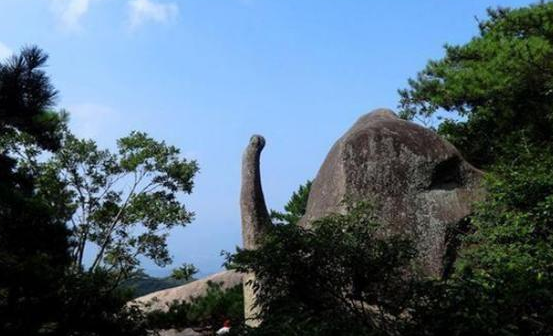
{"points": [[206, 74]]}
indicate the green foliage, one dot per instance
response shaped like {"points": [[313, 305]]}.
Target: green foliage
{"points": [[502, 283], [203, 313], [41, 293], [498, 88], [296, 206], [26, 95], [123, 203], [185, 272], [499, 91], [94, 306], [339, 278], [511, 252], [33, 240]]}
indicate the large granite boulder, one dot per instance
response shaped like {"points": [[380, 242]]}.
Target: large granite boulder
{"points": [[160, 300], [418, 182]]}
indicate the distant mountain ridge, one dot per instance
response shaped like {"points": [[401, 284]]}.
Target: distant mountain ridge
{"points": [[143, 284]]}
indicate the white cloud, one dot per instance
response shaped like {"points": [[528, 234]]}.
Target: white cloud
{"points": [[5, 51], [70, 12], [142, 11], [94, 121]]}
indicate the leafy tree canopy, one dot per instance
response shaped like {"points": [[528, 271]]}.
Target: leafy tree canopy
{"points": [[185, 272], [26, 96], [296, 206], [502, 284], [339, 278], [498, 93], [33, 239], [121, 203], [496, 90]]}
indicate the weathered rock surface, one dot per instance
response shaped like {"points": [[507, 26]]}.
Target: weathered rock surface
{"points": [[417, 181], [254, 215], [253, 211], [160, 299]]}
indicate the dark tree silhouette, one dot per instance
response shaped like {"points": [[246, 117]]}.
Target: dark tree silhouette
{"points": [[33, 242]]}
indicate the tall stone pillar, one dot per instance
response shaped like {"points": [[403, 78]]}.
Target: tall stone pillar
{"points": [[255, 217]]}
